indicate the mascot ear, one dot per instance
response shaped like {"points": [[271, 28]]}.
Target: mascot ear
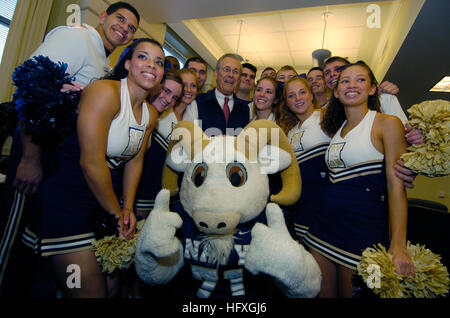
{"points": [[273, 159], [178, 159], [290, 176]]}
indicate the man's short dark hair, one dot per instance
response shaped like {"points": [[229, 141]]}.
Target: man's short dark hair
{"points": [[195, 59], [315, 68], [250, 67], [334, 59], [269, 68], [123, 5]]}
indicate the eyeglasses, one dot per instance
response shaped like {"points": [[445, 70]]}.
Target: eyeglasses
{"points": [[227, 69]]}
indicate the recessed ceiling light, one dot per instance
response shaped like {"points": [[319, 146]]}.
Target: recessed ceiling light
{"points": [[442, 86]]}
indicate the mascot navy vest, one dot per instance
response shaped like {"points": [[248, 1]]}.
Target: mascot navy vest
{"points": [[197, 278]]}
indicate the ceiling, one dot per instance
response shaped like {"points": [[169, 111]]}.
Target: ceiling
{"points": [[411, 34], [289, 37]]}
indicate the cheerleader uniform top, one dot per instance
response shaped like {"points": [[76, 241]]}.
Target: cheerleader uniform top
{"points": [[354, 153], [308, 140], [352, 214], [66, 199], [125, 133], [166, 122], [309, 143], [271, 117], [151, 178]]}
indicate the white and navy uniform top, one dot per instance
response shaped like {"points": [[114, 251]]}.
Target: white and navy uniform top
{"points": [[200, 279], [389, 105], [66, 200], [309, 144], [125, 133], [151, 178], [353, 212], [271, 117]]}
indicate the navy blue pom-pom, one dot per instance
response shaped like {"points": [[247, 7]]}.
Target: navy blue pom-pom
{"points": [[45, 113]]}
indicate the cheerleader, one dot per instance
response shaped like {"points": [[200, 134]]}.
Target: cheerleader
{"points": [[300, 120], [265, 99], [364, 203], [84, 50], [190, 91], [169, 96], [184, 86], [388, 104], [113, 127]]}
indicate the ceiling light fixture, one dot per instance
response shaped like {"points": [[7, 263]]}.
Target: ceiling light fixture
{"points": [[320, 55], [442, 86]]}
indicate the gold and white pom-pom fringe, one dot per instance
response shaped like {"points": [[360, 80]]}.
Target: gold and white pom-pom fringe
{"points": [[431, 279], [431, 158], [114, 252]]}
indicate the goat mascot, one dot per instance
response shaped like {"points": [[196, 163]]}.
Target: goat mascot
{"points": [[224, 238]]}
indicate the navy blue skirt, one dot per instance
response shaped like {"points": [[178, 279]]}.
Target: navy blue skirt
{"points": [[349, 220], [314, 179], [66, 202]]}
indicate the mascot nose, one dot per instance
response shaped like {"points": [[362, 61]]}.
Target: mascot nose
{"points": [[219, 226], [216, 222]]}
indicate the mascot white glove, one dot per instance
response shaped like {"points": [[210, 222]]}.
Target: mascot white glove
{"points": [[162, 224], [157, 257], [273, 252]]}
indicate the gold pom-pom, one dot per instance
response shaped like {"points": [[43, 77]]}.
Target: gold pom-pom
{"points": [[431, 279], [433, 119], [114, 252]]}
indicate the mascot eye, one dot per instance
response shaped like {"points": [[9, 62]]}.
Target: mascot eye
{"points": [[237, 174], [199, 174]]}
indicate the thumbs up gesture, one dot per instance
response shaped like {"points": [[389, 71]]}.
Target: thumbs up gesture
{"points": [[158, 235], [274, 252], [268, 241]]}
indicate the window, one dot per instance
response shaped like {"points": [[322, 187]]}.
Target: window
{"points": [[169, 51], [175, 46], [7, 8]]}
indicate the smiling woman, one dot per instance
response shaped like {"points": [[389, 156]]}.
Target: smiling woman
{"points": [[364, 203], [113, 127], [266, 99], [300, 119], [165, 103], [170, 93], [190, 83]]}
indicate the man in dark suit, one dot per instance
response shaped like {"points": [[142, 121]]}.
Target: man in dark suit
{"points": [[219, 111]]}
